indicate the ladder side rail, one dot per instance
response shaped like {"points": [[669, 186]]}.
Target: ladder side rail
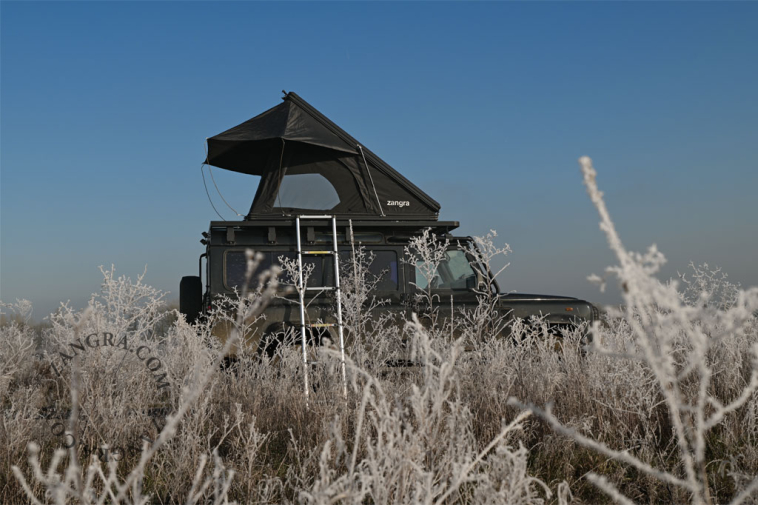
{"points": [[338, 293], [301, 293]]}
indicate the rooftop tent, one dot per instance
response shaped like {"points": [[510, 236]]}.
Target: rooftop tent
{"points": [[307, 163]]}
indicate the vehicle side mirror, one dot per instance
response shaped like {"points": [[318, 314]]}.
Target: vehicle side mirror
{"points": [[473, 281], [476, 281]]}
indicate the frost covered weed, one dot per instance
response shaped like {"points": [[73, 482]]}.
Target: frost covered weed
{"points": [[18, 343], [425, 253], [402, 438], [420, 448], [112, 375], [375, 336], [127, 403], [698, 355], [485, 320]]}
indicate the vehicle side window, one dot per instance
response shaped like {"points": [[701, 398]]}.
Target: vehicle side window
{"points": [[317, 276], [452, 272], [384, 266], [235, 268]]}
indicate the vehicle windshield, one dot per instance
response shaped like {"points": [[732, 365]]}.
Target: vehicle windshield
{"points": [[454, 272]]}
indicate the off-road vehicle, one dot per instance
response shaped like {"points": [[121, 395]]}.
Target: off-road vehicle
{"points": [[322, 191]]}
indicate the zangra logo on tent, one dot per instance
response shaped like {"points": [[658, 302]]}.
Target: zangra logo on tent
{"points": [[397, 203]]}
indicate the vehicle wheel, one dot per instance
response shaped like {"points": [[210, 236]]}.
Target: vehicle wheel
{"points": [[274, 336]]}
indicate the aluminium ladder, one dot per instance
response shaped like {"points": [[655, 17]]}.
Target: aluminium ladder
{"points": [[302, 288]]}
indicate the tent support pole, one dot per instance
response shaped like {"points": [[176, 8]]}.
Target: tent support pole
{"points": [[371, 179]]}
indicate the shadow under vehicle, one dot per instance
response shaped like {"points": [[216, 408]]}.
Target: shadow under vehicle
{"points": [[320, 192]]}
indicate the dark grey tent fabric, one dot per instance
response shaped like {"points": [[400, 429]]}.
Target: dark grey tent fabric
{"points": [[243, 147], [294, 138]]}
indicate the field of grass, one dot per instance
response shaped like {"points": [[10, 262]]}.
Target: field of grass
{"points": [[127, 403]]}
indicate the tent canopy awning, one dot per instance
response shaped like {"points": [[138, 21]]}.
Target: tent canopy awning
{"points": [[294, 139], [240, 147]]}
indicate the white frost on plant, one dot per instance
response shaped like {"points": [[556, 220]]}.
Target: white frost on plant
{"points": [[676, 341]]}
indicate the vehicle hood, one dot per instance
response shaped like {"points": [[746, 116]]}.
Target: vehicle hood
{"points": [[533, 297]]}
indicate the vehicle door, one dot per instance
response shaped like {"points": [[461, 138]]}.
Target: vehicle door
{"points": [[371, 279], [439, 299]]}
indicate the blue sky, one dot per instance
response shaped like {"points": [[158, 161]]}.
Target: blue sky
{"points": [[105, 107]]}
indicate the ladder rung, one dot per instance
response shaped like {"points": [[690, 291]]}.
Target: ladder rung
{"points": [[317, 252], [315, 217], [321, 325], [320, 288]]}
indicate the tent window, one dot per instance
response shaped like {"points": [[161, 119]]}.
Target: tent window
{"points": [[306, 191]]}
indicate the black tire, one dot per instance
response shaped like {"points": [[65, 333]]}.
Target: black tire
{"points": [[277, 336], [272, 338], [191, 297]]}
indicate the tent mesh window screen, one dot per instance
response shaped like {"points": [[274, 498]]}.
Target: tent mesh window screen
{"points": [[306, 191]]}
